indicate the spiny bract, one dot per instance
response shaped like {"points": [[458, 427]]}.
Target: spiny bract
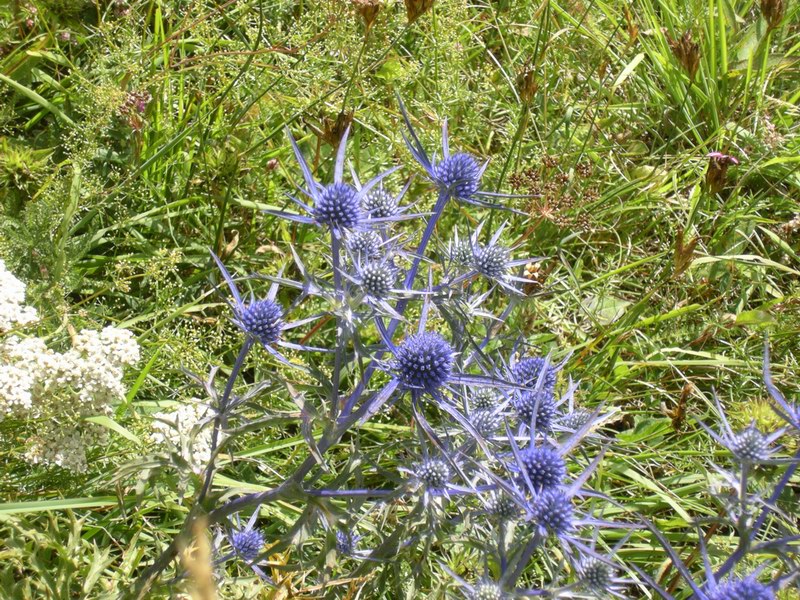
{"points": [[425, 361]]}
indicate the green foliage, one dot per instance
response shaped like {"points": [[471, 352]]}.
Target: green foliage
{"points": [[136, 135]]}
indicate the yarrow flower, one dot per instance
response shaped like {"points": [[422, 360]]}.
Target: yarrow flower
{"points": [[13, 312]]}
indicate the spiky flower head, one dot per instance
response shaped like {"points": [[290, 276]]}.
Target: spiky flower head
{"points": [[377, 279], [552, 512], [484, 398], [365, 243], [247, 543], [434, 473], [544, 467], [338, 206], [742, 589], [424, 360], [487, 591], [346, 542], [595, 575], [575, 419], [262, 319], [750, 445], [461, 253], [543, 402], [491, 261], [502, 507], [485, 421], [527, 371], [459, 174], [380, 204]]}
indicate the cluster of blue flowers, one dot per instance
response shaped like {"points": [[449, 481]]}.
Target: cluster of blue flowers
{"points": [[501, 454]]}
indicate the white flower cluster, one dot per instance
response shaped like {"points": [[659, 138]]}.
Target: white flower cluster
{"points": [[55, 391], [13, 312], [188, 430]]}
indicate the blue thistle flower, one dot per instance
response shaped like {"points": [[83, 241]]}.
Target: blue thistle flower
{"points": [[742, 589], [485, 421], [366, 244], [749, 446], [574, 420], [491, 260], [460, 253], [247, 543], [424, 361], [535, 407], [377, 279], [595, 575], [380, 204], [346, 542], [263, 319], [459, 175], [337, 205], [502, 507], [528, 370], [484, 398], [434, 474], [552, 512], [542, 466]]}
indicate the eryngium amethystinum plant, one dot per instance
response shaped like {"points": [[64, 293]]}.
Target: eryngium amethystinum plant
{"points": [[498, 460]]}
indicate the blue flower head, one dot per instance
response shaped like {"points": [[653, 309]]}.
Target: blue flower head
{"points": [[750, 445], [485, 421], [459, 175], [337, 205], [424, 361], [433, 473], [552, 512], [487, 590], [377, 279], [484, 398], [247, 543], [742, 589], [527, 372], [491, 260], [544, 467], [263, 319], [380, 204], [502, 507], [456, 176], [537, 407], [366, 244], [595, 575]]}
